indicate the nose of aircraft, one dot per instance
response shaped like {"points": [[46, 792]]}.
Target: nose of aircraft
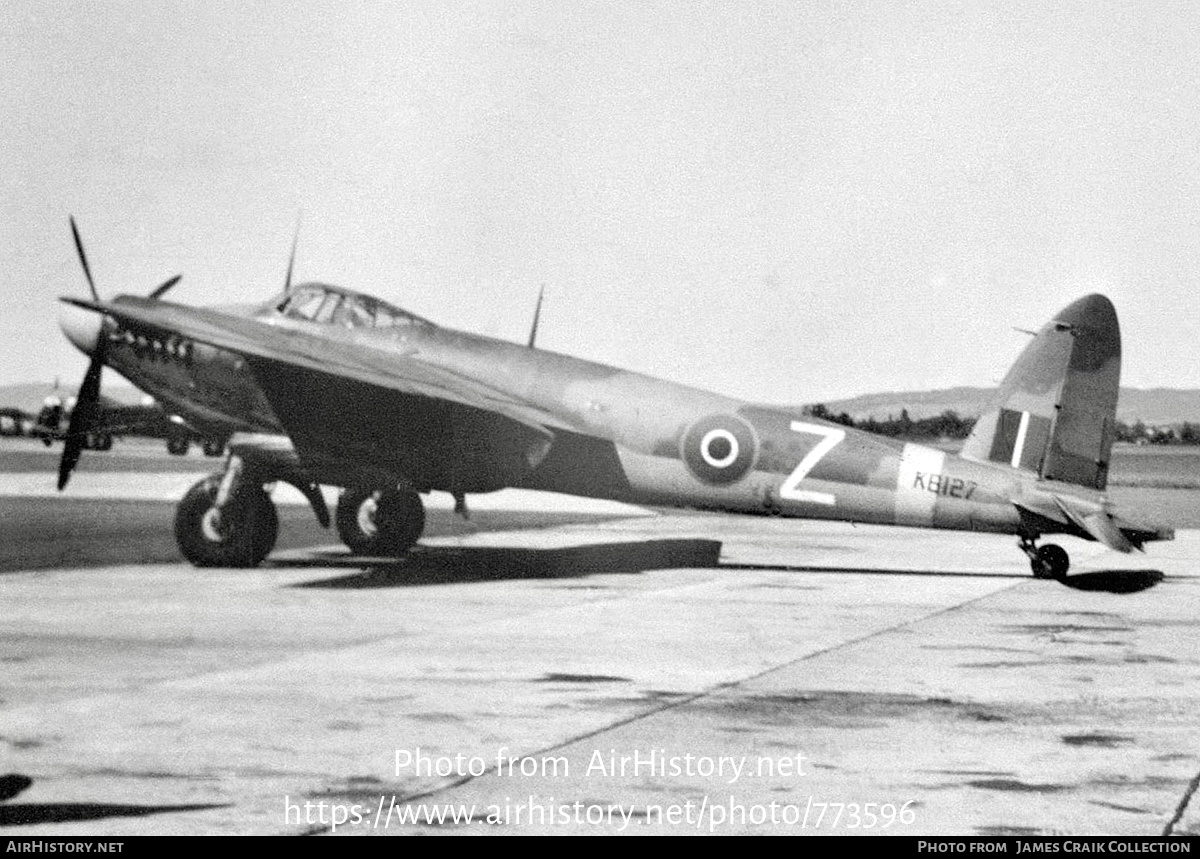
{"points": [[82, 327]]}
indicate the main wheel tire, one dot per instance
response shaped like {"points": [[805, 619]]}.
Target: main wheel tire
{"points": [[1052, 562], [380, 522], [214, 448], [178, 446], [241, 536], [104, 441]]}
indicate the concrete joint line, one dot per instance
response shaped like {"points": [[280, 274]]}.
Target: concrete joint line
{"points": [[1183, 804]]}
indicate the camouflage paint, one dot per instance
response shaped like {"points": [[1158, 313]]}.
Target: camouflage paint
{"points": [[431, 401]]}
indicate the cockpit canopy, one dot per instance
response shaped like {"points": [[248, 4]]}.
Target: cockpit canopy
{"points": [[329, 305]]}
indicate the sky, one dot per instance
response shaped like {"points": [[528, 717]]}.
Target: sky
{"points": [[785, 202]]}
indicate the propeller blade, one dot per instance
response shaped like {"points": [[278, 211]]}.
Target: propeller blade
{"points": [[82, 417], [83, 259], [164, 286]]}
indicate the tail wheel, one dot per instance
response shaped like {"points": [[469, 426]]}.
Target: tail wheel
{"points": [[240, 535], [214, 448], [1052, 562], [380, 522]]}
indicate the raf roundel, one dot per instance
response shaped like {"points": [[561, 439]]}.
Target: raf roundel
{"points": [[719, 449]]}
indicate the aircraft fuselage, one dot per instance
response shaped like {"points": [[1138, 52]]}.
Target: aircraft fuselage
{"points": [[644, 440], [632, 437]]}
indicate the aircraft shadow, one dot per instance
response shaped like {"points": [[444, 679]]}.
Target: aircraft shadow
{"points": [[1115, 581], [870, 571], [442, 565], [447, 565], [1110, 581], [28, 814]]}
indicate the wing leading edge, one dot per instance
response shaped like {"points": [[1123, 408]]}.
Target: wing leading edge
{"points": [[385, 412]]}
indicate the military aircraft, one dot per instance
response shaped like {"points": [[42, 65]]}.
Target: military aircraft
{"points": [[110, 419], [323, 385]]}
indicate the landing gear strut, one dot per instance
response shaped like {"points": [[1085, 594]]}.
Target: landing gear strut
{"points": [[225, 521], [1048, 562], [380, 521]]}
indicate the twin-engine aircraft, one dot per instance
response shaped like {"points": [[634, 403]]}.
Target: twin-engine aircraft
{"points": [[111, 419], [322, 385]]}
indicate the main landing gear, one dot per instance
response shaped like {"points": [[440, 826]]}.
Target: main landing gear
{"points": [[1048, 562], [229, 520], [226, 523], [380, 521]]}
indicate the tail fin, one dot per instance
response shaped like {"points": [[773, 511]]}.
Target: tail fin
{"points": [[1055, 412]]}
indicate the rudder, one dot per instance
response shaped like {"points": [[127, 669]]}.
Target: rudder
{"points": [[1055, 412]]}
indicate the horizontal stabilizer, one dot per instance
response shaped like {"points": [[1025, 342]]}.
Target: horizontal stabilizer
{"points": [[1138, 534], [1087, 518], [1097, 522]]}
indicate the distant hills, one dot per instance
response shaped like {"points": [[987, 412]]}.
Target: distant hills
{"points": [[1153, 406]]}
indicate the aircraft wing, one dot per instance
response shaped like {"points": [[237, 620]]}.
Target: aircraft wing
{"points": [[364, 404]]}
